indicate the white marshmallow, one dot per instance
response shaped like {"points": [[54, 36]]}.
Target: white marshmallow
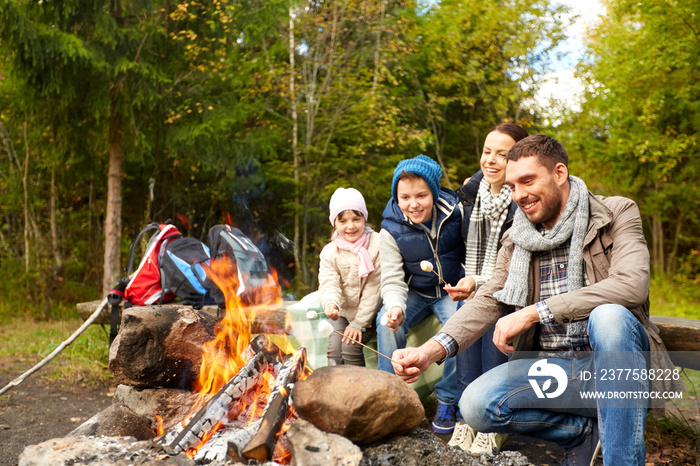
{"points": [[311, 315], [426, 266], [384, 320], [325, 328]]}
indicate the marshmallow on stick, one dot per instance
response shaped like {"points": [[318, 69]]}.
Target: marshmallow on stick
{"points": [[312, 314], [426, 266], [326, 329]]}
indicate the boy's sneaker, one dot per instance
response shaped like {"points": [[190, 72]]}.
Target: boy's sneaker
{"points": [[583, 454], [487, 443], [445, 417], [463, 436]]}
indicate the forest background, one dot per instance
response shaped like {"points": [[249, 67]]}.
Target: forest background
{"points": [[114, 114]]}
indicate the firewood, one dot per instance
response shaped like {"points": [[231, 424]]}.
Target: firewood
{"points": [[226, 443], [274, 356], [216, 408], [262, 446]]}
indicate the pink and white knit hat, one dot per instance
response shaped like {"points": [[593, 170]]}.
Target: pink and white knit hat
{"points": [[346, 199]]}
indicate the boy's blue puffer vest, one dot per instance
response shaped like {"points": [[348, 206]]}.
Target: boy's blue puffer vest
{"points": [[446, 252], [467, 197]]}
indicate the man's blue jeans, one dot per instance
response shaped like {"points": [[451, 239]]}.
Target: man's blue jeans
{"points": [[503, 400], [417, 309]]}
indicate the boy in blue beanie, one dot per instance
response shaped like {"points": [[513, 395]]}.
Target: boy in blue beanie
{"points": [[422, 222]]}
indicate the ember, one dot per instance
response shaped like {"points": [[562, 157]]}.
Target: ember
{"points": [[244, 382]]}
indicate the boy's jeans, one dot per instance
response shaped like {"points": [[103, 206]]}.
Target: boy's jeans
{"points": [[503, 400], [418, 308]]}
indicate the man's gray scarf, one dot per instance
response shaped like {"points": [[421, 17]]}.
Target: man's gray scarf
{"points": [[485, 223], [572, 223]]}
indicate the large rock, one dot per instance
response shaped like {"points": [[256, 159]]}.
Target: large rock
{"points": [[311, 447], [160, 346], [359, 403], [115, 421], [171, 404]]}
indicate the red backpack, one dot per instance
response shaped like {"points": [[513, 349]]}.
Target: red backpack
{"points": [[145, 285]]}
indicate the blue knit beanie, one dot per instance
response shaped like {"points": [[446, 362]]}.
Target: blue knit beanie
{"points": [[423, 166]]}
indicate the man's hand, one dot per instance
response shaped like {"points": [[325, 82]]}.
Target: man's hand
{"points": [[511, 325], [352, 335], [462, 290], [412, 362], [394, 317], [332, 311]]}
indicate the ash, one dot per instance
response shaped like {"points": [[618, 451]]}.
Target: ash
{"points": [[419, 447], [422, 448]]}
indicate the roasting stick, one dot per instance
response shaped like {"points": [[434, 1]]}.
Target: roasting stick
{"points": [[326, 328], [428, 267], [60, 348], [313, 314]]}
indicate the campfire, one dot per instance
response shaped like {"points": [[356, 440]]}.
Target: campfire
{"points": [[244, 382], [219, 390]]}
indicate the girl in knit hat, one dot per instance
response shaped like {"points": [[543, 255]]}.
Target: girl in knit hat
{"points": [[349, 278]]}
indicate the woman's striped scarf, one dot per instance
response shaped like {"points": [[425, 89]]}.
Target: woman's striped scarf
{"points": [[487, 219]]}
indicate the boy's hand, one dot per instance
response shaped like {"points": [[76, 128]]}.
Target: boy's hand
{"points": [[332, 311], [462, 290], [395, 318]]}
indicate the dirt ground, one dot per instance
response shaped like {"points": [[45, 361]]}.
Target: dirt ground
{"points": [[38, 410]]}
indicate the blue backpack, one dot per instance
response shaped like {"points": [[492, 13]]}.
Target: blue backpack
{"points": [[182, 272]]}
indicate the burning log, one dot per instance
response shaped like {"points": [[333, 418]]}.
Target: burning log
{"points": [[262, 446], [216, 408], [273, 354], [226, 444]]}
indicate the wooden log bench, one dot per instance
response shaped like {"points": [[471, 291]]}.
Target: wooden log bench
{"points": [[682, 339], [680, 335], [269, 321]]}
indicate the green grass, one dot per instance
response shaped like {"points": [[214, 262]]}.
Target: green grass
{"points": [[674, 297], [27, 342]]}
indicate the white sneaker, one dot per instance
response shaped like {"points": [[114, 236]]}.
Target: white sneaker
{"points": [[463, 436], [489, 443]]}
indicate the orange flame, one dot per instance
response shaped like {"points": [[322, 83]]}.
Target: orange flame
{"points": [[185, 221], [228, 219], [225, 355], [159, 426]]}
